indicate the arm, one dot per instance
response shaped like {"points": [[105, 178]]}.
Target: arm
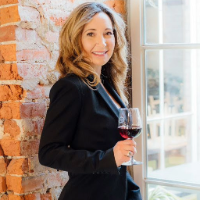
{"points": [[59, 128]]}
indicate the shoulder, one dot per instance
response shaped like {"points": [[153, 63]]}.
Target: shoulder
{"points": [[70, 84], [71, 79]]}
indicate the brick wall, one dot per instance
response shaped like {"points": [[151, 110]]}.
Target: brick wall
{"points": [[29, 31]]}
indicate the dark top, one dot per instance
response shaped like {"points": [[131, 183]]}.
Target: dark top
{"points": [[79, 134]]}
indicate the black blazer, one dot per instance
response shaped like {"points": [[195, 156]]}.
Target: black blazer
{"points": [[79, 134]]}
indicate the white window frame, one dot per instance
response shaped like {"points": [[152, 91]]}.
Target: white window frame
{"points": [[135, 22], [138, 86]]}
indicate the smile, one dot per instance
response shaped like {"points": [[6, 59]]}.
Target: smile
{"points": [[99, 53]]}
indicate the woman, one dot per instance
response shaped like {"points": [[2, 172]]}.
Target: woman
{"points": [[80, 132]]}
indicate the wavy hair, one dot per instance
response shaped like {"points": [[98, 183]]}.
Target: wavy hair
{"points": [[71, 60]]}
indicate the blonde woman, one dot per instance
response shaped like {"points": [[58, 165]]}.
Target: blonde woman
{"points": [[80, 133]]}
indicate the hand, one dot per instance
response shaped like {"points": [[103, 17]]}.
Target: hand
{"points": [[121, 151]]}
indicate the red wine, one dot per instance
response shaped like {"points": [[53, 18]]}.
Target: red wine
{"points": [[129, 132]]}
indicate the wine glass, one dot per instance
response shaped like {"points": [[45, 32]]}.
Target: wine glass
{"points": [[130, 126]]}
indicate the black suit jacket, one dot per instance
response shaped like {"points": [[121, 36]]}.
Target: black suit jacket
{"points": [[79, 134]]}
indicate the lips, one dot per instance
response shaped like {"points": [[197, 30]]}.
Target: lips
{"points": [[99, 53]]}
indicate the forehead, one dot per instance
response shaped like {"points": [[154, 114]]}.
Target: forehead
{"points": [[99, 20]]}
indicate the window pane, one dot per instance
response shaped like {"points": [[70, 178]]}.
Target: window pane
{"points": [[172, 21], [153, 93], [170, 151], [173, 117], [169, 78], [174, 144], [171, 193]]}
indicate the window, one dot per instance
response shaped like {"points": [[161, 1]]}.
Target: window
{"points": [[165, 48]]}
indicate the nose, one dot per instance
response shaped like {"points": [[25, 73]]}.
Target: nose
{"points": [[101, 41]]}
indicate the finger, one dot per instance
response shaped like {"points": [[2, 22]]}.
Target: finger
{"points": [[129, 142], [130, 151], [129, 154], [129, 148]]}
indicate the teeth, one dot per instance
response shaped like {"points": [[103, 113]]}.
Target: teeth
{"points": [[98, 53]]}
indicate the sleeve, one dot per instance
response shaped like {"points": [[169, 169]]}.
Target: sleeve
{"points": [[58, 131], [133, 190]]}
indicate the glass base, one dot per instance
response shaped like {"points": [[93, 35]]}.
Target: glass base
{"points": [[132, 162]]}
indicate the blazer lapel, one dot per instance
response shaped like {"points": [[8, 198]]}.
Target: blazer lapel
{"points": [[114, 94], [107, 98]]}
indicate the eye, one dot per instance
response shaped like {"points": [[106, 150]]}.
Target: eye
{"points": [[109, 33], [90, 34]]}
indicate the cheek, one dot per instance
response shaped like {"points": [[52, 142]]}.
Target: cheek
{"points": [[84, 45], [112, 44], [87, 47]]}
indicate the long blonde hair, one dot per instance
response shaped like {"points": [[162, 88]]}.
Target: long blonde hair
{"points": [[71, 59]]}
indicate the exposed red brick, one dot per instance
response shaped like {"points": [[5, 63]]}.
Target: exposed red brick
{"points": [[46, 196], [2, 184], [7, 33], [10, 110], [32, 127], [6, 2], [1, 150], [3, 166], [10, 92], [18, 166], [17, 148], [32, 197], [15, 197], [14, 183], [11, 147], [4, 197], [33, 183], [11, 127], [30, 110], [29, 148], [8, 52], [118, 6], [9, 14], [9, 72]]}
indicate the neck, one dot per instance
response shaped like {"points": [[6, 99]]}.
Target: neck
{"points": [[98, 71]]}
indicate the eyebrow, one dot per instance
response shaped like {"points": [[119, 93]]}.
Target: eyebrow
{"points": [[92, 29]]}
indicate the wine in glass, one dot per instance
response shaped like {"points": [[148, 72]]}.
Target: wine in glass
{"points": [[130, 126]]}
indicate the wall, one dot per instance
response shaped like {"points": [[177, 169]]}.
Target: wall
{"points": [[29, 31]]}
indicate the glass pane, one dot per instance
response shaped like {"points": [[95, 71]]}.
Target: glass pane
{"points": [[153, 93], [156, 192], [169, 139], [177, 66], [172, 21], [173, 119], [170, 151], [169, 81], [153, 146]]}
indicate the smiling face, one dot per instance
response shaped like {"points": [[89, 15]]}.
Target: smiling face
{"points": [[98, 41]]}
